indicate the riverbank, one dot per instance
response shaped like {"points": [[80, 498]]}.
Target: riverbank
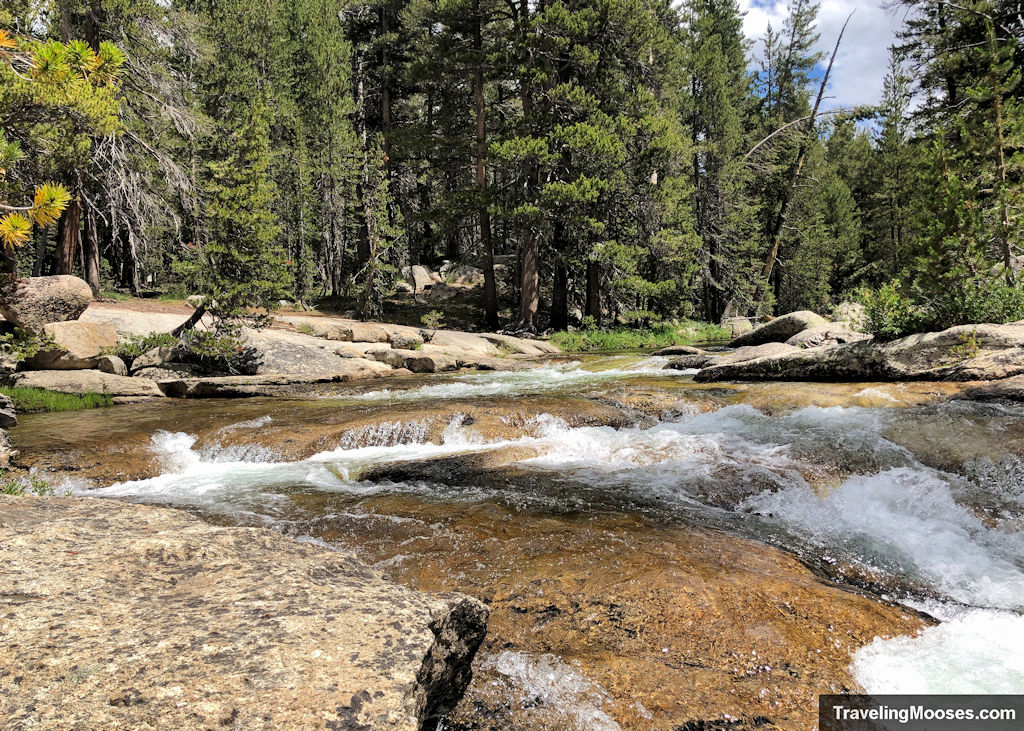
{"points": [[119, 615]]}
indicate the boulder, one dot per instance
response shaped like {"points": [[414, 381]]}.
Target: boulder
{"points": [[962, 353], [362, 332], [79, 345], [112, 364], [780, 329], [7, 415], [853, 314], [419, 277], [420, 362], [156, 357], [441, 292], [145, 616], [85, 381], [680, 350], [737, 325], [405, 342], [35, 301], [463, 274], [752, 352], [302, 356], [417, 361], [827, 335]]}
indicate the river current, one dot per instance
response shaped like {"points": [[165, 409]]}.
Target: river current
{"points": [[493, 484]]}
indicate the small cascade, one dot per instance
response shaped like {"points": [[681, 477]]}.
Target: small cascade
{"points": [[386, 434]]}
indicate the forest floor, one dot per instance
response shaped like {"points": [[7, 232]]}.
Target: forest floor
{"points": [[464, 311]]}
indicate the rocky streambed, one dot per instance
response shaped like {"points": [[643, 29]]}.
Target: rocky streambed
{"points": [[654, 552]]}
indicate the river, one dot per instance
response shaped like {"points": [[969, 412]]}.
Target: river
{"points": [[656, 552]]}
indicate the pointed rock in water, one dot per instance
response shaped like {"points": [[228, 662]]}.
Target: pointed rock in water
{"points": [[143, 615], [686, 362], [780, 329], [35, 301], [680, 350]]}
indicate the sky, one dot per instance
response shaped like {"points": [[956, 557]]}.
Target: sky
{"points": [[864, 54]]}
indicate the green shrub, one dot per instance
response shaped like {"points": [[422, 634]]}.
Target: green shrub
{"points": [[34, 400], [889, 312], [659, 336], [131, 348], [219, 352], [898, 309], [21, 344], [27, 484]]}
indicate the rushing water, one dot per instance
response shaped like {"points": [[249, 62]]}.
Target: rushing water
{"points": [[882, 487]]}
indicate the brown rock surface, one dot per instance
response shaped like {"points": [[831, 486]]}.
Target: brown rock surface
{"points": [[690, 622], [127, 616]]}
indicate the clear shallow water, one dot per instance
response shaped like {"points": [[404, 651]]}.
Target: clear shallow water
{"points": [[925, 501]]}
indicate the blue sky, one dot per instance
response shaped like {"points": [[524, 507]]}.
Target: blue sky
{"points": [[864, 56]]}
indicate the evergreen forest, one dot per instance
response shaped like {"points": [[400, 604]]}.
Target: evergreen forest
{"points": [[605, 163]]}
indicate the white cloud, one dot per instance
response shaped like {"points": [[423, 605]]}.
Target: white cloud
{"points": [[864, 54]]}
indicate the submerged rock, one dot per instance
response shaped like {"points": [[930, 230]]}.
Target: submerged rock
{"points": [[35, 301], [270, 384], [962, 353], [142, 615], [781, 329]]}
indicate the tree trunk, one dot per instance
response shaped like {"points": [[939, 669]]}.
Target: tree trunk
{"points": [[795, 173], [91, 253], [190, 323], [529, 297], [67, 246], [42, 238], [484, 218], [129, 264], [594, 291], [560, 299]]}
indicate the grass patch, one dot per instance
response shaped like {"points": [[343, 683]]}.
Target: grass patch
{"points": [[306, 329], [659, 336], [110, 294], [35, 400]]}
